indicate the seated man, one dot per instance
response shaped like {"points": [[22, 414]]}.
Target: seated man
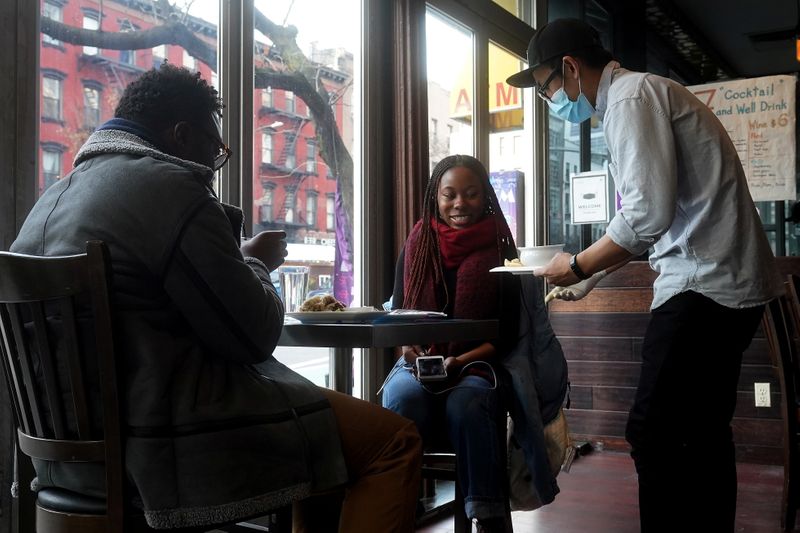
{"points": [[217, 429]]}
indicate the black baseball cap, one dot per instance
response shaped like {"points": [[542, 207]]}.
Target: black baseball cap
{"points": [[555, 39]]}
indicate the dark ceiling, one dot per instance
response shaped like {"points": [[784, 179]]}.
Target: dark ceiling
{"points": [[726, 26]]}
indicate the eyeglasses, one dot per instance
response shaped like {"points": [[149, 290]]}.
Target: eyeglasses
{"points": [[224, 153], [541, 91]]}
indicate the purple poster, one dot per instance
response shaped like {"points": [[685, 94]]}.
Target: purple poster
{"points": [[508, 186], [343, 259]]}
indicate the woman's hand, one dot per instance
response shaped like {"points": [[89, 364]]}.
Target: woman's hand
{"points": [[410, 353], [452, 365]]}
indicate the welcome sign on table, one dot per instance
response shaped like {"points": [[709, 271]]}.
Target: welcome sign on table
{"points": [[759, 115]]}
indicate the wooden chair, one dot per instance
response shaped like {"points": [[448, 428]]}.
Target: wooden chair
{"points": [[441, 465], [781, 328], [59, 417]]}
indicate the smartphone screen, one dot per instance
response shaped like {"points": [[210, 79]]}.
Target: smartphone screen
{"points": [[431, 367]]}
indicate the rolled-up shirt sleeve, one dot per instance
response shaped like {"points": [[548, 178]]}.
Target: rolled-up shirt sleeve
{"points": [[644, 168]]}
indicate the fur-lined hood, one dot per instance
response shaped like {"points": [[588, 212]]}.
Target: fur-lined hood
{"points": [[113, 141]]}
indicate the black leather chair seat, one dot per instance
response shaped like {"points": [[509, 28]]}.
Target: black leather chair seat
{"points": [[66, 501]]}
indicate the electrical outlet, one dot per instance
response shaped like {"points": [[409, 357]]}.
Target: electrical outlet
{"points": [[762, 395]]}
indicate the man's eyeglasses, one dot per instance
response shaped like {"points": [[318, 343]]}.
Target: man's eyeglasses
{"points": [[224, 153], [542, 89]]}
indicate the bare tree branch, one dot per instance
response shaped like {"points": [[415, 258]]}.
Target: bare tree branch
{"points": [[171, 32]]}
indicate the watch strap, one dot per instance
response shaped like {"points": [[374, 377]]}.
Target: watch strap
{"points": [[573, 265]]}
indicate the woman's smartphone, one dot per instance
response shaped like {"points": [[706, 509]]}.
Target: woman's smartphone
{"points": [[430, 368]]}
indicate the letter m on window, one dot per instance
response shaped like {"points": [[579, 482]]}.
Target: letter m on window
{"points": [[505, 96]]}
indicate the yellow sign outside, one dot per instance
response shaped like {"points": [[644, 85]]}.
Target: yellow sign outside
{"points": [[502, 97]]}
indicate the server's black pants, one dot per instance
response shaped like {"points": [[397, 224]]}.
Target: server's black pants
{"points": [[679, 425]]}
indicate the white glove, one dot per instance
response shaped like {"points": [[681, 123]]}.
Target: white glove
{"points": [[576, 291]]}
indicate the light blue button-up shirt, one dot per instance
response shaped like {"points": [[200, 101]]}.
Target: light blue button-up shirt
{"points": [[683, 192]]}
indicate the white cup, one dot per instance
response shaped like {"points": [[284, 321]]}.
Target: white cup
{"points": [[294, 286]]}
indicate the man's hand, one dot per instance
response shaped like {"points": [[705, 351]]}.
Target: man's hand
{"points": [[268, 246], [576, 291], [557, 271]]}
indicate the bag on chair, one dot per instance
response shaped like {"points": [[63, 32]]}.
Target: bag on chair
{"points": [[522, 497]]}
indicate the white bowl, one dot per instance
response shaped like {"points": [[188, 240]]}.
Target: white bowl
{"points": [[539, 255]]}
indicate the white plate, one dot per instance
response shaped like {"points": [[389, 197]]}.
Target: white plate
{"points": [[517, 271], [354, 315]]}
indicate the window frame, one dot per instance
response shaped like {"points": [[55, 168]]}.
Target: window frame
{"points": [[330, 211], [59, 7], [57, 77], [289, 104], [312, 197], [90, 14], [311, 157], [57, 151], [98, 89], [267, 152]]}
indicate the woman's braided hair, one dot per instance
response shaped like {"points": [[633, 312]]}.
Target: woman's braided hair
{"points": [[427, 259]]}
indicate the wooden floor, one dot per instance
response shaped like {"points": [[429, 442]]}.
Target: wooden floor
{"points": [[599, 495]]}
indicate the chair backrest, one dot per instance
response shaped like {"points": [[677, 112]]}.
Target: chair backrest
{"points": [[56, 330]]}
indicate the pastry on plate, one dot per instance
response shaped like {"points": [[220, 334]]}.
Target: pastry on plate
{"points": [[322, 303]]}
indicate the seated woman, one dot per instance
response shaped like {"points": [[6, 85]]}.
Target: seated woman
{"points": [[445, 266]]}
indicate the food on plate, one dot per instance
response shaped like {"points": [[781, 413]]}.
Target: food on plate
{"points": [[514, 263], [322, 303]]}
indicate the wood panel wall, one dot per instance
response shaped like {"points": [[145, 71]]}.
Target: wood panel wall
{"points": [[602, 338]]}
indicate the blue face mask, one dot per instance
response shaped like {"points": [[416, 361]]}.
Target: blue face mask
{"points": [[575, 112]]}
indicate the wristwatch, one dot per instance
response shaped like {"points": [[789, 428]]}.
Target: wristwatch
{"points": [[573, 264]]}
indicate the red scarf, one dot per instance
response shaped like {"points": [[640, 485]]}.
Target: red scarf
{"points": [[457, 244], [472, 251]]}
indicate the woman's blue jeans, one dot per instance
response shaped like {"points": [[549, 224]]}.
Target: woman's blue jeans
{"points": [[468, 416]]}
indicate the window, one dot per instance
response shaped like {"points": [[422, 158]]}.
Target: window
{"points": [[159, 55], [512, 6], [574, 148], [51, 164], [266, 97], [127, 57], [53, 12], [336, 82], [289, 149], [311, 208], [470, 54], [450, 74], [311, 157], [289, 205], [265, 206], [289, 101], [51, 95], [91, 21], [91, 107], [330, 213], [188, 61], [266, 148]]}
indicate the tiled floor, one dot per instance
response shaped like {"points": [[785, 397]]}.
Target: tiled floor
{"points": [[599, 495]]}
